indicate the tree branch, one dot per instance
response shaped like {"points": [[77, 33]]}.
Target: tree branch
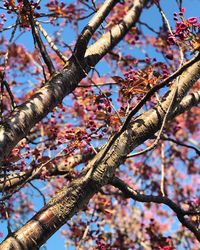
{"points": [[187, 80], [38, 40], [24, 117], [75, 197], [108, 40], [180, 213], [92, 26], [166, 138], [12, 181]]}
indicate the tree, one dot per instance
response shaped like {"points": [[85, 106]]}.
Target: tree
{"points": [[110, 145]]}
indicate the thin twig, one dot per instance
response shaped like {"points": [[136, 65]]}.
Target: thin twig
{"points": [[162, 182], [38, 190], [166, 138], [2, 75], [38, 40], [7, 28], [180, 213], [51, 43], [96, 85], [13, 105], [149, 27], [161, 129], [85, 17], [171, 32]]}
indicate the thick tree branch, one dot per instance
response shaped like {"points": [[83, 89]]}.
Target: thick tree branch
{"points": [[180, 213], [24, 117], [181, 87], [75, 197], [108, 41], [187, 103], [92, 26]]}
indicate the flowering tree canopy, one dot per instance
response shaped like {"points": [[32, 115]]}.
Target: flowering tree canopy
{"points": [[99, 121]]}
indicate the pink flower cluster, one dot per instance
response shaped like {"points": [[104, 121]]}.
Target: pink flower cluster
{"points": [[185, 29]]}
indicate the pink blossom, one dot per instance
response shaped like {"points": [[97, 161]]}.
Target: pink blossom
{"points": [[192, 20], [166, 248], [171, 40], [182, 10], [180, 26], [195, 201]]}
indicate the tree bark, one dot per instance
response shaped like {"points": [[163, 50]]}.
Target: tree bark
{"points": [[76, 197], [62, 83]]}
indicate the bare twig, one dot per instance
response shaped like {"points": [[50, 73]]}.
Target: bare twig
{"points": [[39, 191], [51, 43], [162, 182], [166, 138], [160, 131], [180, 213], [97, 85], [149, 27], [170, 31], [38, 40], [2, 75]]}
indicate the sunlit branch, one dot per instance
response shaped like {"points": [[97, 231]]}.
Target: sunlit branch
{"points": [[153, 90], [51, 43], [187, 102], [7, 28], [155, 143], [180, 213], [108, 40], [92, 26]]}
